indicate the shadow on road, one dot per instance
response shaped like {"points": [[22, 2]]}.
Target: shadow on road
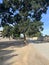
{"points": [[36, 41], [18, 43], [12, 43], [6, 55]]}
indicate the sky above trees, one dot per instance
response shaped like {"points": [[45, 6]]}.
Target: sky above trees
{"points": [[45, 19]]}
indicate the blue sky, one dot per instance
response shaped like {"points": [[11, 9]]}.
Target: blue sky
{"points": [[45, 20], [0, 1]]}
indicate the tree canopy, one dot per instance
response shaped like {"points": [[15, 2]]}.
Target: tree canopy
{"points": [[13, 11], [17, 13], [7, 31], [35, 28]]}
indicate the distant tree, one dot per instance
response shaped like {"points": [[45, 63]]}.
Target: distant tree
{"points": [[46, 35]]}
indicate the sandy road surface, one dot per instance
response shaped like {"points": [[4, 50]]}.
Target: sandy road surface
{"points": [[16, 53], [40, 55], [43, 48]]}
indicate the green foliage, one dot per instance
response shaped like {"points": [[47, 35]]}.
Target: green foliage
{"points": [[35, 28], [27, 27], [9, 15], [9, 7], [30, 28], [15, 31], [7, 31]]}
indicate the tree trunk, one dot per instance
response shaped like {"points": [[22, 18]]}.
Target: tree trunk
{"points": [[9, 38], [25, 39]]}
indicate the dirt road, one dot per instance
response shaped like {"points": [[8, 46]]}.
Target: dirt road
{"points": [[19, 54], [40, 55]]}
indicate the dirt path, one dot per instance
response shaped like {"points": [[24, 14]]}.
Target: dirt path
{"points": [[23, 55], [38, 55], [43, 48]]}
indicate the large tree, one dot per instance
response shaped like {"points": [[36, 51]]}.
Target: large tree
{"points": [[14, 11]]}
